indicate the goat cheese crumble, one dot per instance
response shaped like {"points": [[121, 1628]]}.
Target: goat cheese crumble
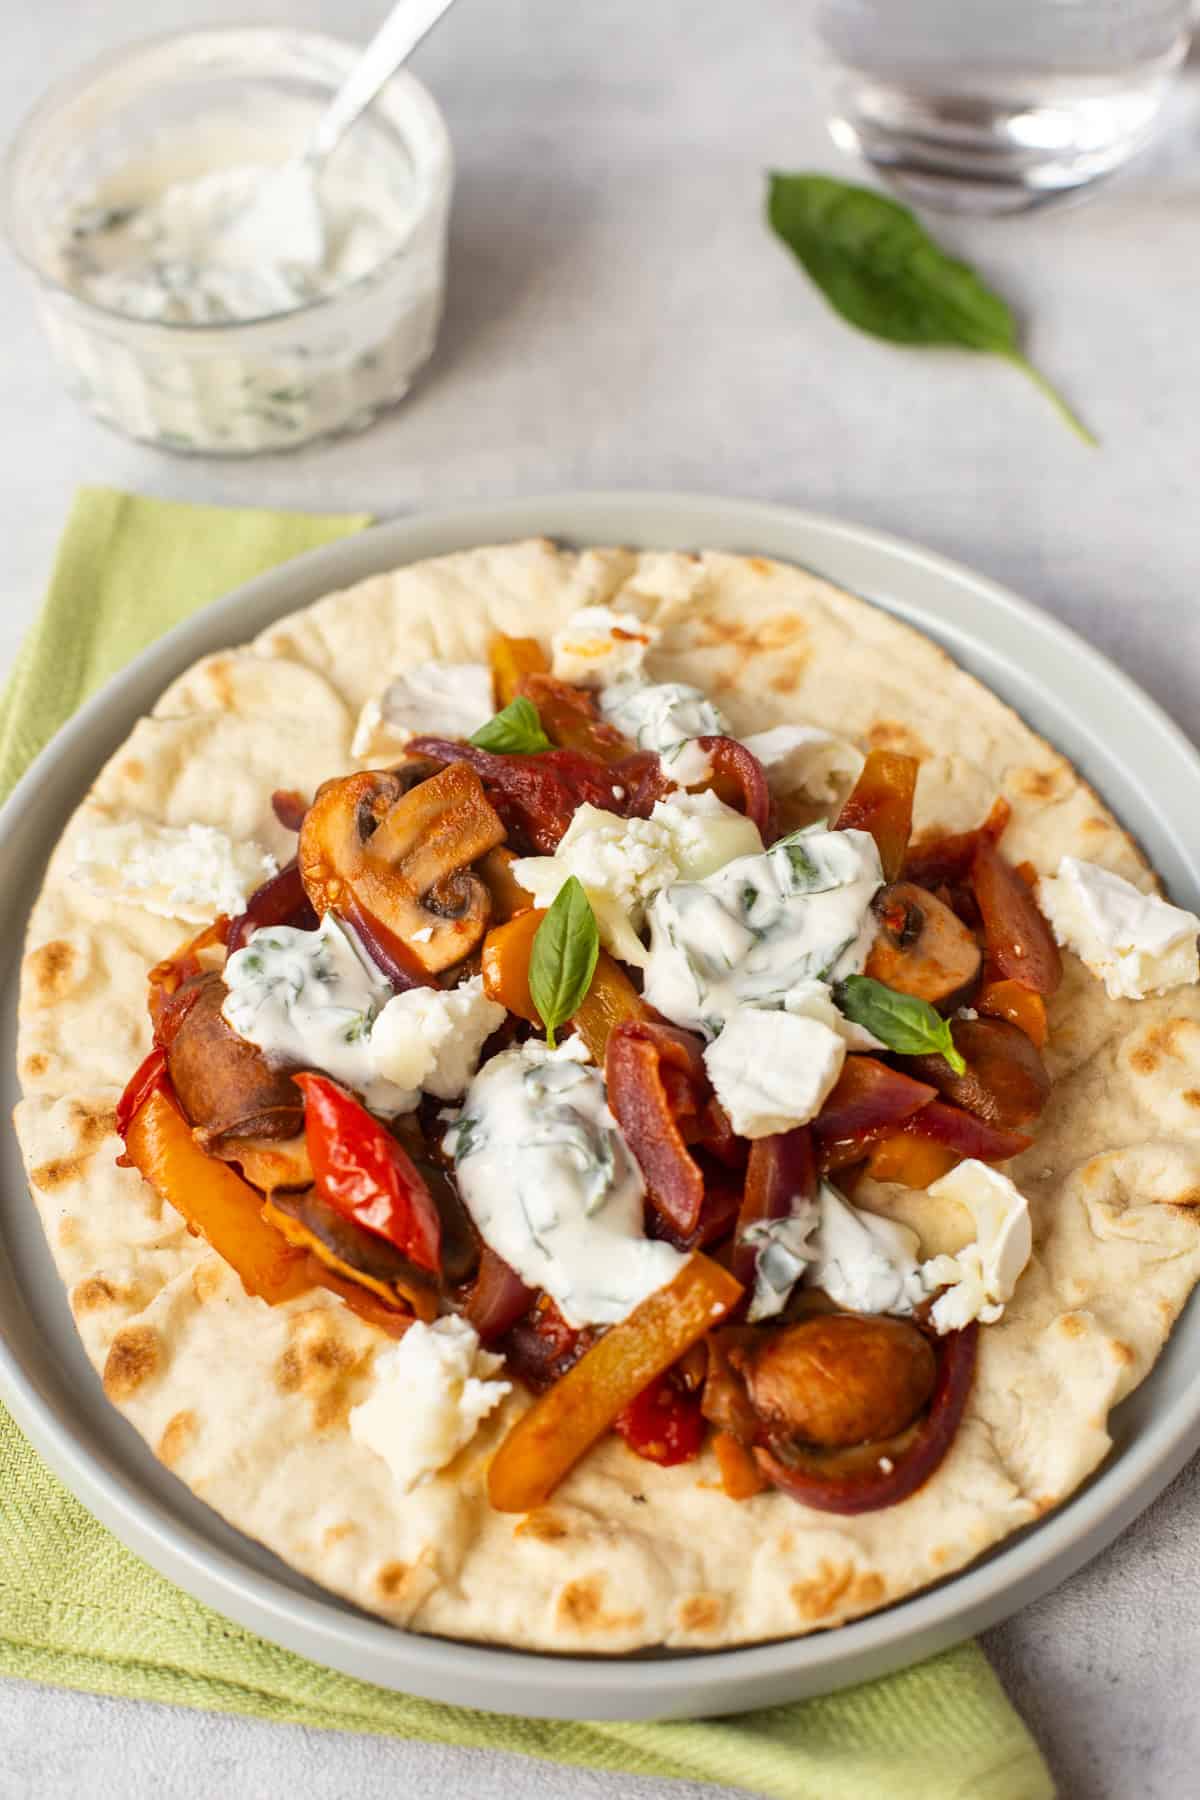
{"points": [[429, 1395], [1136, 944]]}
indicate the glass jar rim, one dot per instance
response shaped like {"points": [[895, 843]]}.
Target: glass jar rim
{"points": [[435, 169]]}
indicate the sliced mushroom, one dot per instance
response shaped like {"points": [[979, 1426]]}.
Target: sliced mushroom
{"points": [[351, 1251], [267, 1165], [838, 1380], [922, 947], [225, 1085], [1005, 1081], [403, 858]]}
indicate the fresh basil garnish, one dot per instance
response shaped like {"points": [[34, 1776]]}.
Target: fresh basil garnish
{"points": [[563, 959], [517, 731], [909, 1026], [877, 266]]}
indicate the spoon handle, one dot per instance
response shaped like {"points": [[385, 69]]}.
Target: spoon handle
{"points": [[393, 44]]}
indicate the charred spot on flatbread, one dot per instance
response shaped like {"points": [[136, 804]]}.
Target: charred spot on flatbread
{"points": [[136, 1355], [178, 1434], [54, 969], [837, 1590], [99, 1292], [581, 1605], [316, 1363]]}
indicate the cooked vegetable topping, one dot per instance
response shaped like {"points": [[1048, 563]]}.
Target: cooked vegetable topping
{"points": [[443, 909]]}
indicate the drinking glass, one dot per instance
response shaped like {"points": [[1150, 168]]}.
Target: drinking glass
{"points": [[995, 105]]}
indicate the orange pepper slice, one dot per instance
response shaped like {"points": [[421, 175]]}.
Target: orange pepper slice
{"points": [[511, 658], [506, 952], [213, 1201], [881, 802], [1019, 1005], [741, 1477], [913, 1162], [548, 1440]]}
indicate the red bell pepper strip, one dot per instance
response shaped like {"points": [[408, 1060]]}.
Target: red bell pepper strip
{"points": [[664, 1423], [361, 1170], [1020, 944], [498, 1297], [147, 1078], [654, 1072]]}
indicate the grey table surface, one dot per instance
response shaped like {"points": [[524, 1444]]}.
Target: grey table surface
{"points": [[619, 317]]}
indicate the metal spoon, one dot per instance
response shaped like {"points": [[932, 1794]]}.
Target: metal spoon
{"points": [[403, 29]]}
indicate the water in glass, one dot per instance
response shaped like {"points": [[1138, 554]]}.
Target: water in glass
{"points": [[992, 105]]}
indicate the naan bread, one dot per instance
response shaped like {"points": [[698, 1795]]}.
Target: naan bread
{"points": [[249, 1405]]}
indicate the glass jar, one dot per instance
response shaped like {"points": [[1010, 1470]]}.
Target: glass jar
{"points": [[232, 388]]}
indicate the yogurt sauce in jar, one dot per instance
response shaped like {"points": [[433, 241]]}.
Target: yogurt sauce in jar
{"points": [[212, 293]]}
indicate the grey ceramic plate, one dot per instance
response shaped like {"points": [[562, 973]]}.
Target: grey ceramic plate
{"points": [[1132, 753]]}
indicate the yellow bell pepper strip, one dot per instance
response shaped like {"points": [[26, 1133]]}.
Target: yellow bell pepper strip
{"points": [[913, 1162], [511, 659], [610, 1001], [506, 952], [213, 1201], [548, 1440], [1019, 1005]]}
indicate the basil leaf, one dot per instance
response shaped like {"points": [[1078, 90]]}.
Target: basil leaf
{"points": [[909, 1026], [563, 959], [517, 731], [877, 265]]}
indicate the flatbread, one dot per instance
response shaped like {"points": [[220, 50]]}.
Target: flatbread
{"points": [[249, 1405]]}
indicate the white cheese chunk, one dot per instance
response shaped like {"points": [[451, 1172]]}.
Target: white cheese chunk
{"points": [[761, 926], [782, 1252], [430, 1038], [622, 862], [429, 1395], [432, 699], [983, 1276], [552, 1185], [862, 1261], [1136, 943], [806, 759], [772, 1071], [191, 872], [666, 716], [813, 1000], [315, 1000], [598, 646]]}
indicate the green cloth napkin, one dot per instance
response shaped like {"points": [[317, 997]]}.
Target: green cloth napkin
{"points": [[78, 1610]]}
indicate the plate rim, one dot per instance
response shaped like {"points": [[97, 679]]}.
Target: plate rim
{"points": [[495, 1677]]}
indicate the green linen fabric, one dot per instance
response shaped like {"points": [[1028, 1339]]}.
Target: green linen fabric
{"points": [[79, 1610]]}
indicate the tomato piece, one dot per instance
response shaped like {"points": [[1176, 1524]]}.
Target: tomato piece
{"points": [[571, 719], [664, 1423], [150, 1075], [881, 802], [1020, 944], [655, 1073], [363, 1173]]}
